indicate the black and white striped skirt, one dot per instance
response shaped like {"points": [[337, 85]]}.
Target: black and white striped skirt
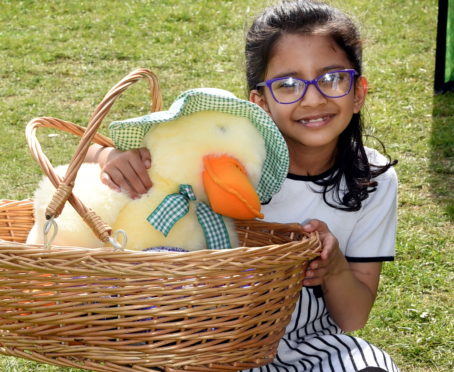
{"points": [[313, 342]]}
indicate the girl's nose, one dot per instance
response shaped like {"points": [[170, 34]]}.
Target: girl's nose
{"points": [[313, 97]]}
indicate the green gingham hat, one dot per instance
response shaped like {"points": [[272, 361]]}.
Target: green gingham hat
{"points": [[128, 134]]}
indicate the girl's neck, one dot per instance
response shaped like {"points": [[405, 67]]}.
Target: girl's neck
{"points": [[310, 161]]}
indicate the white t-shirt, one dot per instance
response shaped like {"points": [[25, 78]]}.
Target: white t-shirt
{"points": [[366, 235], [313, 341]]}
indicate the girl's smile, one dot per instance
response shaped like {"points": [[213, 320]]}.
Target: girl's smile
{"points": [[316, 121], [312, 125]]}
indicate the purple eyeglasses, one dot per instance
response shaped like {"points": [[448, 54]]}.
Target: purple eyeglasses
{"points": [[333, 84]]}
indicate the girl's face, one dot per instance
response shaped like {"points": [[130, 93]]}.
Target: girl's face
{"points": [[315, 122]]}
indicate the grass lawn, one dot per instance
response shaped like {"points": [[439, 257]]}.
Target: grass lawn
{"points": [[59, 58]]}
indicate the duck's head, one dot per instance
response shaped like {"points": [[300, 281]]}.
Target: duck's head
{"points": [[220, 155], [229, 150]]}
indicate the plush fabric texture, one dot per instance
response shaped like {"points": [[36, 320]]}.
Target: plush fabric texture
{"points": [[72, 230]]}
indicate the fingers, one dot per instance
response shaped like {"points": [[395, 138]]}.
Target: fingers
{"points": [[128, 172], [138, 174], [133, 177], [117, 181], [315, 225], [315, 273], [330, 246], [328, 260], [145, 156], [328, 240], [310, 281], [106, 180]]}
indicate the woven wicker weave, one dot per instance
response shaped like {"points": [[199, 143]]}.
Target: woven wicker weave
{"points": [[107, 310]]}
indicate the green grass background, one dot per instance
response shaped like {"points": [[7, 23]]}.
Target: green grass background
{"points": [[58, 58]]}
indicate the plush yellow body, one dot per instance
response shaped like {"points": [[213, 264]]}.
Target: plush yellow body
{"points": [[177, 150], [72, 230]]}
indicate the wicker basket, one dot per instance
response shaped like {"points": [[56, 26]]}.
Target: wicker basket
{"points": [[109, 310]]}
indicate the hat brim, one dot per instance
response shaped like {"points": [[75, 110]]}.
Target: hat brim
{"points": [[128, 134]]}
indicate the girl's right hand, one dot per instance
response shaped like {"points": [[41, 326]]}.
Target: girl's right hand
{"points": [[125, 171]]}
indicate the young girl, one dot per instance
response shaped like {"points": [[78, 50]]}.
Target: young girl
{"points": [[303, 62]]}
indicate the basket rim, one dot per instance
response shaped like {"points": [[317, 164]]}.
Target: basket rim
{"points": [[108, 262], [101, 251], [108, 250]]}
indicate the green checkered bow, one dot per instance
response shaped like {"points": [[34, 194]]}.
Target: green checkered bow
{"points": [[175, 206]]}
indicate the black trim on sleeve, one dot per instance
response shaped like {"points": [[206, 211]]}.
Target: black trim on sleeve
{"points": [[369, 259]]}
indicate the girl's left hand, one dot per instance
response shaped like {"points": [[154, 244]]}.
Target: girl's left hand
{"points": [[331, 260], [349, 289]]}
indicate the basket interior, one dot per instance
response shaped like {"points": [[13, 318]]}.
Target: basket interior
{"points": [[16, 219]]}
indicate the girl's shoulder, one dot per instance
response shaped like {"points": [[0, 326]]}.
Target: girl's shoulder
{"points": [[377, 159]]}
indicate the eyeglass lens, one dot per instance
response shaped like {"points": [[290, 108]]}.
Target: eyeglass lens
{"points": [[332, 84]]}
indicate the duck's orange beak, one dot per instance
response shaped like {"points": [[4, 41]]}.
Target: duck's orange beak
{"points": [[228, 188]]}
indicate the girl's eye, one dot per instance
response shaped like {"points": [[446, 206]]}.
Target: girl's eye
{"points": [[287, 84], [332, 77]]}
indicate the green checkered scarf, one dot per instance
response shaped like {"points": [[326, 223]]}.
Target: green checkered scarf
{"points": [[128, 134], [176, 206]]}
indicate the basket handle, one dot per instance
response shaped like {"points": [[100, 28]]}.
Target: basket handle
{"points": [[65, 185]]}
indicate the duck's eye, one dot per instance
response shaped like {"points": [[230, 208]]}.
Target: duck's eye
{"points": [[222, 129]]}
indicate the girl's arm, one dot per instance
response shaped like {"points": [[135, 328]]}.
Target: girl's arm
{"points": [[122, 170], [349, 289]]}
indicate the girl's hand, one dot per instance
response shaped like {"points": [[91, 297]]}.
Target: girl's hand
{"points": [[125, 171], [349, 289], [331, 260]]}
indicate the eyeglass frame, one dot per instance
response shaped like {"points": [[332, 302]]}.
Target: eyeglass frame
{"points": [[314, 82]]}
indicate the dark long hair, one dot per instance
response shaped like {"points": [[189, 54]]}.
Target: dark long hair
{"points": [[309, 18]]}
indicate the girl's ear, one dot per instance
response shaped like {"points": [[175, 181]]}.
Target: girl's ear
{"points": [[361, 89], [259, 99]]}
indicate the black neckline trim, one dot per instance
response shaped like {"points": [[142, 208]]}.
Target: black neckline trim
{"points": [[312, 178]]}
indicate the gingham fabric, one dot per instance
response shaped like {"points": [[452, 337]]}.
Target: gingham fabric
{"points": [[176, 206], [216, 235], [171, 209], [128, 134]]}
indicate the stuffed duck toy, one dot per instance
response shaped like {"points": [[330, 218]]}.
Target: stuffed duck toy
{"points": [[215, 158]]}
